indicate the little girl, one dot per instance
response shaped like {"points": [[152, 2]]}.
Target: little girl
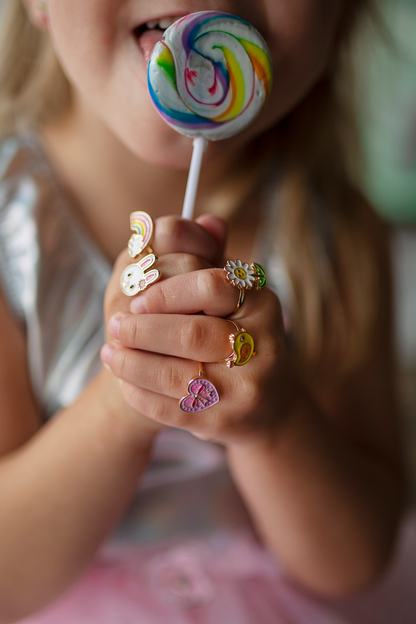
{"points": [[116, 506]]}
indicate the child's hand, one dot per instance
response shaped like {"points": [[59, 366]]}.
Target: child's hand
{"points": [[182, 246], [158, 351]]}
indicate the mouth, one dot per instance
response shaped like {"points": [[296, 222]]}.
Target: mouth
{"points": [[149, 34]]}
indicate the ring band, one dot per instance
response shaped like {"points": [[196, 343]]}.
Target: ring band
{"points": [[242, 345], [244, 276], [241, 297]]}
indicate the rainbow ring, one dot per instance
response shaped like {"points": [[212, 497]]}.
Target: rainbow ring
{"points": [[137, 277]]}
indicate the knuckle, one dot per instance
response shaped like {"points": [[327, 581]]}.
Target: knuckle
{"points": [[157, 298], [162, 412], [210, 284], [159, 411], [187, 263], [168, 233], [130, 331], [169, 378], [119, 364], [191, 335], [155, 408]]}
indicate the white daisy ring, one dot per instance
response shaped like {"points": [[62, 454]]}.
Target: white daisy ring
{"points": [[240, 274]]}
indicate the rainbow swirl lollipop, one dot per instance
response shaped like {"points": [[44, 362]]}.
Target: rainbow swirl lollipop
{"points": [[211, 75]]}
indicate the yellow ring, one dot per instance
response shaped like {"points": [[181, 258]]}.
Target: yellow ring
{"points": [[241, 354]]}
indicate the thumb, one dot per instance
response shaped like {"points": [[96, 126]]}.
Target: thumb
{"points": [[219, 231]]}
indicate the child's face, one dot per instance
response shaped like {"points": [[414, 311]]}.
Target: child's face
{"points": [[106, 63]]}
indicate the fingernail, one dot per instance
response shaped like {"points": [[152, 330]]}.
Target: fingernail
{"points": [[138, 305], [114, 325], [107, 353]]}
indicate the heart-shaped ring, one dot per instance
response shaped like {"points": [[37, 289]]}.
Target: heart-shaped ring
{"points": [[202, 394]]}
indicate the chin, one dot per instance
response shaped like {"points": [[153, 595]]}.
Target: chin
{"points": [[164, 148]]}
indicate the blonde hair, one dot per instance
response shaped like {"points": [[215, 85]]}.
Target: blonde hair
{"points": [[33, 87], [323, 230], [328, 235]]}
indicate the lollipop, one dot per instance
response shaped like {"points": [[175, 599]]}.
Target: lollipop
{"points": [[209, 77]]}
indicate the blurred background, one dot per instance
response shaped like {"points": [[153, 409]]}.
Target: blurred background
{"points": [[387, 117]]}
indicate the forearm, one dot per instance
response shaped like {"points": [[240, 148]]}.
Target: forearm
{"points": [[323, 507], [61, 494]]}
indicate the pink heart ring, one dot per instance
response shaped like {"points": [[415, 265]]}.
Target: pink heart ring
{"points": [[202, 394]]}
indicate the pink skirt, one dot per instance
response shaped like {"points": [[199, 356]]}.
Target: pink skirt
{"points": [[223, 580]]}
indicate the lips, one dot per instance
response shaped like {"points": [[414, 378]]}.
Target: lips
{"points": [[147, 41], [149, 34]]}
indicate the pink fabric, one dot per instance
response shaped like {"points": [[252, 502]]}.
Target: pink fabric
{"points": [[224, 580]]}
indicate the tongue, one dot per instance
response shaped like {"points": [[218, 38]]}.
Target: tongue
{"points": [[148, 40]]}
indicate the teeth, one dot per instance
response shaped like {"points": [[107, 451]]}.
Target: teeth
{"points": [[163, 23], [166, 22]]}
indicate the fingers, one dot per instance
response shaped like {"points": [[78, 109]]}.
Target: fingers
{"points": [[182, 246], [218, 229], [169, 266], [204, 291], [198, 338], [154, 386], [163, 410], [157, 373], [177, 264], [176, 235]]}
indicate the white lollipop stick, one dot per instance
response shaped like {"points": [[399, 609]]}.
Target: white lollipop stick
{"points": [[200, 146]]}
